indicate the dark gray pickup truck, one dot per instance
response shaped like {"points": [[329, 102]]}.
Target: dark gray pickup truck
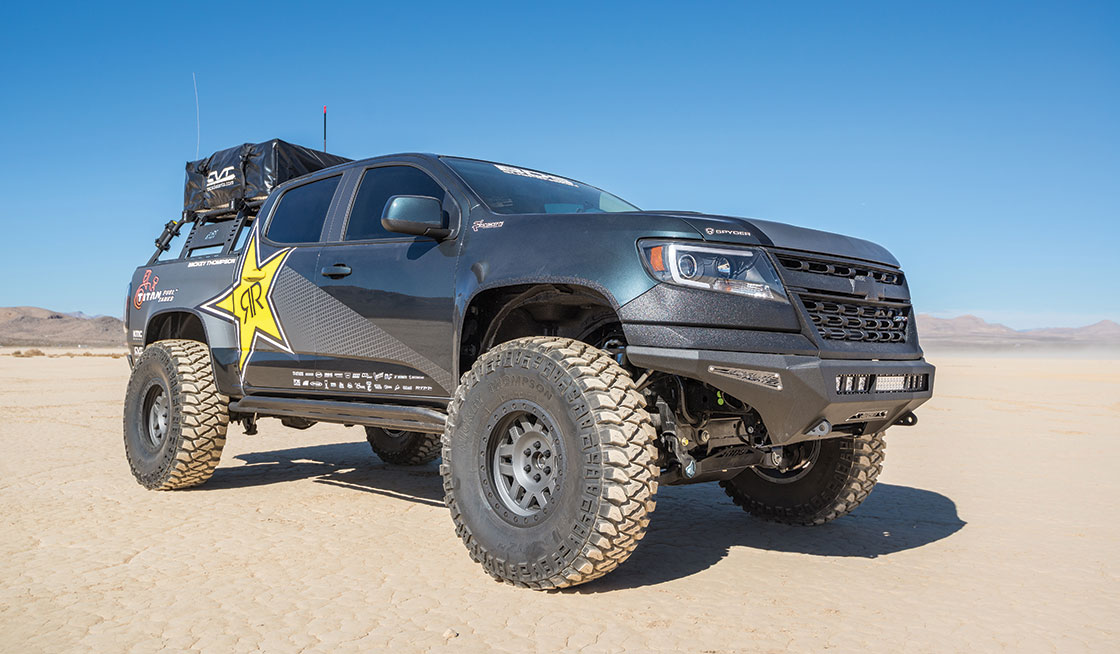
{"points": [[563, 351]]}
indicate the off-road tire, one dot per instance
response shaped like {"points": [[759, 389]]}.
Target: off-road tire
{"points": [[197, 416], [606, 470], [403, 448], [841, 478]]}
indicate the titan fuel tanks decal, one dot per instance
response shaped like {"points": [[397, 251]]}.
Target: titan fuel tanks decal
{"points": [[271, 303]]}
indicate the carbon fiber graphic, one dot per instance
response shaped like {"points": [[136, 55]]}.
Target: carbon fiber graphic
{"points": [[316, 322]]}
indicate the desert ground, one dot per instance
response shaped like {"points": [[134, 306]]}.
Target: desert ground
{"points": [[993, 528]]}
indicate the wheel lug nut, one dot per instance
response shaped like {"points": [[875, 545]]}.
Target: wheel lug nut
{"points": [[528, 451], [548, 471], [536, 477], [537, 445], [527, 468], [548, 452]]}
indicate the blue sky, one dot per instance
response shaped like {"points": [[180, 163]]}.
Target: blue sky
{"points": [[980, 142]]}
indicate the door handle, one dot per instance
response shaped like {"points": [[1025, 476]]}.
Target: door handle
{"points": [[337, 271], [253, 276]]}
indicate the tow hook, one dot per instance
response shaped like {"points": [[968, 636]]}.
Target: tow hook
{"points": [[907, 419]]}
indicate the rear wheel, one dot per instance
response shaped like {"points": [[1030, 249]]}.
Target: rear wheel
{"points": [[548, 463], [830, 479], [174, 418], [406, 448]]}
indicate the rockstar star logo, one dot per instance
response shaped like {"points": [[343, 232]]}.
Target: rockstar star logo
{"points": [[248, 302]]}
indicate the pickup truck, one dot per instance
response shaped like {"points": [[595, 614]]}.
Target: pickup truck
{"points": [[562, 351]]}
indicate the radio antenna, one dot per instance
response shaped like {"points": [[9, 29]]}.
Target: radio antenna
{"points": [[197, 123], [324, 128]]}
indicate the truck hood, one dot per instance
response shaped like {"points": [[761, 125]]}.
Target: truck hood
{"points": [[729, 229]]}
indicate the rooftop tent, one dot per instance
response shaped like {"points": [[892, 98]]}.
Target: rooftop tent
{"points": [[249, 171]]}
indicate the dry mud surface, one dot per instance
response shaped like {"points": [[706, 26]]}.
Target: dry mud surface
{"points": [[994, 528]]}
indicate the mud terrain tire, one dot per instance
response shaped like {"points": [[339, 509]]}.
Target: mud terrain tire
{"points": [[840, 478], [403, 448], [569, 417], [174, 418]]}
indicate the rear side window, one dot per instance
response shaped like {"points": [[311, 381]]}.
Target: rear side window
{"points": [[301, 212], [378, 185]]}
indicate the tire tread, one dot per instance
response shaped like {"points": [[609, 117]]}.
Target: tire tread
{"points": [[628, 472]]}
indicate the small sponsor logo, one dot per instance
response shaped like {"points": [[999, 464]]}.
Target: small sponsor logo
{"points": [[221, 179], [147, 291], [868, 415], [725, 232], [137, 334], [482, 224], [521, 172], [211, 262]]}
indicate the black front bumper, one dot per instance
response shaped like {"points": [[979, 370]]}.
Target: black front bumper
{"points": [[808, 392]]}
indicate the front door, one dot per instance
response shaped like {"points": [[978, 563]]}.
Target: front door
{"points": [[394, 298], [265, 300]]}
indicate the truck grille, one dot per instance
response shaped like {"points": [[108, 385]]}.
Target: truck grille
{"points": [[849, 320], [839, 269]]}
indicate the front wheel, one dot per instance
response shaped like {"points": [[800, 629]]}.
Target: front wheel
{"points": [[833, 477], [548, 463]]}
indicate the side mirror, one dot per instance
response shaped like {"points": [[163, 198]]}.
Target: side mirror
{"points": [[419, 215]]}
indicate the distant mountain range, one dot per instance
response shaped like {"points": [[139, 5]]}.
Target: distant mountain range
{"points": [[972, 332], [35, 326]]}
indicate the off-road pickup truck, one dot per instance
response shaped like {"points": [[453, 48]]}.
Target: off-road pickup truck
{"points": [[563, 351]]}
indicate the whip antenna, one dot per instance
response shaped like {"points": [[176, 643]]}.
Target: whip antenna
{"points": [[197, 123], [324, 128]]}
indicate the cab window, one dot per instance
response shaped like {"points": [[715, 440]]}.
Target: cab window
{"points": [[374, 191], [301, 212]]}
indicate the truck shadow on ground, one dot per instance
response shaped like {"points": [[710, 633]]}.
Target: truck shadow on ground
{"points": [[347, 465], [696, 526], [693, 528]]}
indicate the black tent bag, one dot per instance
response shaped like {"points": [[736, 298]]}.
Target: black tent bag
{"points": [[249, 171]]}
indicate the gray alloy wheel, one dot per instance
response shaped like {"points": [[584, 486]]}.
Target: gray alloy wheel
{"points": [[525, 460]]}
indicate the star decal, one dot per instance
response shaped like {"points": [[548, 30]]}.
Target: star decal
{"points": [[248, 302]]}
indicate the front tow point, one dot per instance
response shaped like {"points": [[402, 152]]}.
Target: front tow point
{"points": [[823, 428]]}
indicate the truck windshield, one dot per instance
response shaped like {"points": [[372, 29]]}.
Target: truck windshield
{"points": [[512, 190]]}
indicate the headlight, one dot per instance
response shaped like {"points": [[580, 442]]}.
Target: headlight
{"points": [[739, 270]]}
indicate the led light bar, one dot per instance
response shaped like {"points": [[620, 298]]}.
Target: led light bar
{"points": [[857, 384]]}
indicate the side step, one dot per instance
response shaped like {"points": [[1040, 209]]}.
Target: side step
{"points": [[386, 416]]}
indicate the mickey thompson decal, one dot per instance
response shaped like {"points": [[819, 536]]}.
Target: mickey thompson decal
{"points": [[248, 302]]}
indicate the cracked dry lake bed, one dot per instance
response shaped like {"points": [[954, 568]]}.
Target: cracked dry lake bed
{"points": [[994, 527]]}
